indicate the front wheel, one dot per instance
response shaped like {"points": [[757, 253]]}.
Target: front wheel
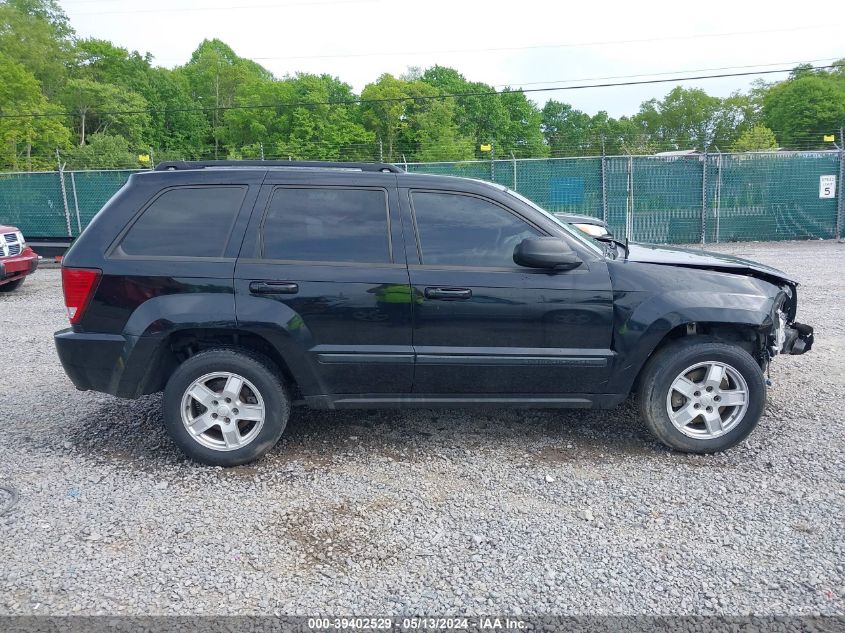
{"points": [[702, 396], [225, 407]]}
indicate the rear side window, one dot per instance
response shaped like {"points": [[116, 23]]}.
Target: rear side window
{"points": [[185, 222], [460, 230], [327, 225]]}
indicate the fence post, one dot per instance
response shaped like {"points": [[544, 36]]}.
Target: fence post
{"points": [[704, 199], [513, 161], [603, 186], [840, 195], [629, 220], [718, 194], [64, 193], [76, 200]]}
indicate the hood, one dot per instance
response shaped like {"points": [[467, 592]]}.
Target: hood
{"points": [[693, 258], [7, 229]]}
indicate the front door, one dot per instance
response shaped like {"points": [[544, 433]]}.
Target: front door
{"points": [[318, 277], [482, 324]]}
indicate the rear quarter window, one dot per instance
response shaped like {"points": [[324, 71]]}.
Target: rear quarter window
{"points": [[184, 222]]}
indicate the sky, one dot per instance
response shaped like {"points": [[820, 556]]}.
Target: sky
{"points": [[530, 44]]}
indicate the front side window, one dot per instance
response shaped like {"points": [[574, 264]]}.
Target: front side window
{"points": [[327, 225], [461, 230], [185, 222]]}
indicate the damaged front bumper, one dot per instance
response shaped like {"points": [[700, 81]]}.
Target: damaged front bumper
{"points": [[797, 339]]}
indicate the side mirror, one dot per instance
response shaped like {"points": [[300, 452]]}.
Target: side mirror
{"points": [[551, 253]]}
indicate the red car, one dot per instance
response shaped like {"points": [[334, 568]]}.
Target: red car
{"points": [[17, 260]]}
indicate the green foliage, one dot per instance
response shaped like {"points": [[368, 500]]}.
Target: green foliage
{"points": [[802, 109], [26, 143], [410, 121], [102, 108], [36, 34], [756, 139], [102, 151], [113, 104]]}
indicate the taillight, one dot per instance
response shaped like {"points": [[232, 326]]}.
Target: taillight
{"points": [[78, 285]]}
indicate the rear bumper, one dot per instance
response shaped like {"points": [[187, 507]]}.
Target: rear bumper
{"points": [[12, 268], [124, 366]]}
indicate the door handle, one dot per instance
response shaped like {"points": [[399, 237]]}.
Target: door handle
{"points": [[448, 294], [273, 288]]}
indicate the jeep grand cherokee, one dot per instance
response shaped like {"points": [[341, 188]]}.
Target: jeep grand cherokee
{"points": [[243, 288]]}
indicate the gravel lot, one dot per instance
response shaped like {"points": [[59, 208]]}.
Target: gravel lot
{"points": [[436, 512]]}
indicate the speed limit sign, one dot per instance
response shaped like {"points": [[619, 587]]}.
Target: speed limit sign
{"points": [[827, 186]]}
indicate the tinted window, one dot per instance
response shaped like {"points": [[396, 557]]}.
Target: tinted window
{"points": [[327, 225], [462, 230], [188, 222]]}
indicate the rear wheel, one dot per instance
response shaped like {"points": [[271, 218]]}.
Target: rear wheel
{"points": [[225, 407], [12, 285], [702, 396]]}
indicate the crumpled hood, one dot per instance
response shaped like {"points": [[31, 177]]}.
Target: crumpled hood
{"points": [[693, 258]]}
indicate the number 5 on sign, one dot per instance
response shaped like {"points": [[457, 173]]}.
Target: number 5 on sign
{"points": [[827, 186]]}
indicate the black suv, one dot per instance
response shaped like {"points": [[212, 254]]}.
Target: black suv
{"points": [[242, 288]]}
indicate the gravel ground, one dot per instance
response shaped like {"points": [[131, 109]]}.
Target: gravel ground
{"points": [[436, 512]]}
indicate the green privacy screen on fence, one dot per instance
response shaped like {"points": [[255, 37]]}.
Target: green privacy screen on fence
{"points": [[663, 199]]}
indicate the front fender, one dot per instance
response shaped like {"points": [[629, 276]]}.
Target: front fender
{"points": [[651, 300], [641, 329]]}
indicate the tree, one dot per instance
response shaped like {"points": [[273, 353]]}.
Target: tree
{"points": [[802, 109], [176, 128], [103, 151], [37, 35], [478, 117], [567, 131], [521, 135], [411, 119], [756, 139], [103, 62], [214, 75], [29, 141], [686, 118], [101, 107]]}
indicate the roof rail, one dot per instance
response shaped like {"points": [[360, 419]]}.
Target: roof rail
{"points": [[307, 164]]}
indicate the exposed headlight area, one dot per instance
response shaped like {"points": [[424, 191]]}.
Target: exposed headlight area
{"points": [[593, 230], [789, 337]]}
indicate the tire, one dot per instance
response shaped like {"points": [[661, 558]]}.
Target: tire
{"points": [[699, 361], [12, 285], [226, 433]]}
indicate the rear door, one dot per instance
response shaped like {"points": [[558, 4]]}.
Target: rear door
{"points": [[322, 274]]}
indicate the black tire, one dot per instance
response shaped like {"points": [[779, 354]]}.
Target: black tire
{"points": [[256, 369], [12, 285], [667, 364]]}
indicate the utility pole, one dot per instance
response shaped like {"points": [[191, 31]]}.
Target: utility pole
{"points": [[261, 145], [380, 151], [493, 161]]}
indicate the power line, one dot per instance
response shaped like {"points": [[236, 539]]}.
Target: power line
{"points": [[408, 98], [668, 38], [671, 72]]}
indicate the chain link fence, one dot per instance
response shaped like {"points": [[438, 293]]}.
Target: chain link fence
{"points": [[662, 199]]}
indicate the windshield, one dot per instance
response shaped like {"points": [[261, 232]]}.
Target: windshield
{"points": [[578, 235]]}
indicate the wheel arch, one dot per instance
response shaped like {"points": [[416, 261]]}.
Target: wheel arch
{"points": [[179, 345]]}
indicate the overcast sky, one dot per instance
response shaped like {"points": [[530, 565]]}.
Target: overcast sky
{"points": [[516, 43]]}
